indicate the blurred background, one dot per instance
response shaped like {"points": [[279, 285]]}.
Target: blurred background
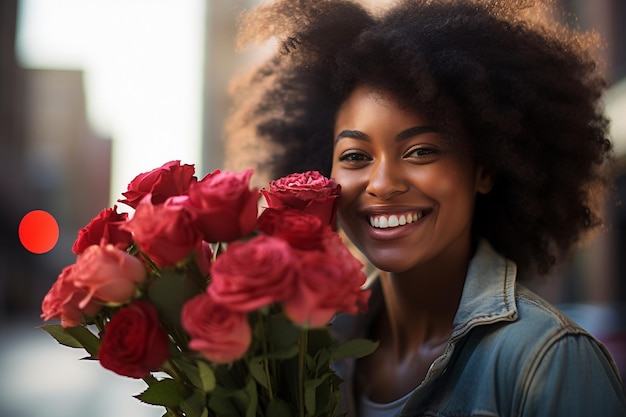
{"points": [[93, 92]]}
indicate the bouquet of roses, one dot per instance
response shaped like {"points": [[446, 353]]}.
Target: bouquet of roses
{"points": [[221, 311]]}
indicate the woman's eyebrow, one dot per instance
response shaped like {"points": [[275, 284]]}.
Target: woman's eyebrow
{"points": [[404, 135], [353, 134], [414, 131]]}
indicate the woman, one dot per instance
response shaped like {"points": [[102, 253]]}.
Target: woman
{"points": [[468, 138]]}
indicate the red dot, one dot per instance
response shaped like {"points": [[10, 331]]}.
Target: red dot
{"points": [[38, 231]]}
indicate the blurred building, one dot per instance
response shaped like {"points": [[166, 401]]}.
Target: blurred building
{"points": [[49, 160]]}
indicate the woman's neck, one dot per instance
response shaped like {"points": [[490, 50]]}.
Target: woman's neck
{"points": [[421, 303]]}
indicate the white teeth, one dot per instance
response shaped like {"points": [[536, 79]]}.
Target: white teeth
{"points": [[393, 221], [384, 222]]}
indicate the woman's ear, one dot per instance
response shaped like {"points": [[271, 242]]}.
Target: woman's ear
{"points": [[485, 178]]}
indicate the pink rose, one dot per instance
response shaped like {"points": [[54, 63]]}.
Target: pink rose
{"points": [[221, 335], [104, 228], [300, 229], [108, 274], [223, 206], [63, 299], [164, 232], [171, 179], [134, 343], [252, 274], [310, 192], [327, 282]]}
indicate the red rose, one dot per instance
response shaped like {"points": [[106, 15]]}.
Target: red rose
{"points": [[171, 179], [310, 192], [252, 274], [327, 282], [63, 299], [223, 206], [108, 274], [104, 228], [164, 232], [134, 344], [302, 230], [221, 335]]}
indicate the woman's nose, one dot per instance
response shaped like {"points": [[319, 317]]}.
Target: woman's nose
{"points": [[385, 180]]}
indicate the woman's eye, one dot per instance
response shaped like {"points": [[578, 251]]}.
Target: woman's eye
{"points": [[422, 153], [353, 157]]}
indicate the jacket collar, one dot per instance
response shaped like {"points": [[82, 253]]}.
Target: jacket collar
{"points": [[489, 291]]}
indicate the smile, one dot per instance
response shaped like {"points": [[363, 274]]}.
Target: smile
{"points": [[384, 222]]}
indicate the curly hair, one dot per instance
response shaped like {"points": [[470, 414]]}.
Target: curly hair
{"points": [[525, 91]]}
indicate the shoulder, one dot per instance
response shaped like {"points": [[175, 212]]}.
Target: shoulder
{"points": [[543, 363], [539, 329]]}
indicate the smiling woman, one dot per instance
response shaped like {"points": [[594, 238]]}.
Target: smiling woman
{"points": [[470, 144]]}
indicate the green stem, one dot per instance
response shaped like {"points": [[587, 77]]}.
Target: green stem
{"points": [[304, 341], [265, 360], [171, 368], [99, 322]]}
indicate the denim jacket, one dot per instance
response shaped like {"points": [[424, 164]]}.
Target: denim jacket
{"points": [[510, 354]]}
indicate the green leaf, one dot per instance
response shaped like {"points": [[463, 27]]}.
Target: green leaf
{"points": [[326, 396], [60, 334], [200, 373], [322, 361], [190, 369], [258, 371], [234, 402], [278, 408], [319, 338], [75, 337], [221, 405], [195, 405], [166, 392], [85, 337], [170, 291], [252, 398], [207, 376], [310, 387], [282, 333], [355, 348]]}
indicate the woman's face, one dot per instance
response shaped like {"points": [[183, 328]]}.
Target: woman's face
{"points": [[407, 193]]}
